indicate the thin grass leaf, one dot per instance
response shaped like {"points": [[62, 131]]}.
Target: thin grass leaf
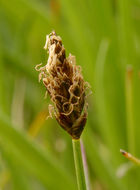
{"points": [[32, 158]]}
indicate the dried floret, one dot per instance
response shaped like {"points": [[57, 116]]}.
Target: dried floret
{"points": [[65, 86]]}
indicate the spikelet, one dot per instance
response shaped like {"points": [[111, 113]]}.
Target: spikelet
{"points": [[65, 86]]}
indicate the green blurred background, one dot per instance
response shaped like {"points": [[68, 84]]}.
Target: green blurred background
{"points": [[104, 35]]}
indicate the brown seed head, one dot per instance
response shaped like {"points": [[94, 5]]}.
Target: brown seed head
{"points": [[66, 87]]}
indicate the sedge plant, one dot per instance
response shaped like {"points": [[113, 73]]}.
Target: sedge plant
{"points": [[67, 89]]}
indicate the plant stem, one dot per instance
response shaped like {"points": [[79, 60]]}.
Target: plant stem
{"points": [[130, 157], [85, 165], [79, 165]]}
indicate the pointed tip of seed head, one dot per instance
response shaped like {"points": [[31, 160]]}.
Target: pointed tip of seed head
{"points": [[47, 43], [53, 32]]}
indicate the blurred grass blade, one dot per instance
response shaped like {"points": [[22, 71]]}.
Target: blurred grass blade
{"points": [[104, 172], [2, 90], [17, 177], [106, 119], [126, 32], [32, 158], [4, 178], [37, 123]]}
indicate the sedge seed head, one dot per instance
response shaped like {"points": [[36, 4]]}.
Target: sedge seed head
{"points": [[65, 85]]}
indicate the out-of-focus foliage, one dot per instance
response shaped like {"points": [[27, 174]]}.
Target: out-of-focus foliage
{"points": [[104, 35]]}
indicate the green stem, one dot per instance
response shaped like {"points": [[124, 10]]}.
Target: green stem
{"points": [[79, 165]]}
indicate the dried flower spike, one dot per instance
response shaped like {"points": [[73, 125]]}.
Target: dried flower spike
{"points": [[65, 86]]}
